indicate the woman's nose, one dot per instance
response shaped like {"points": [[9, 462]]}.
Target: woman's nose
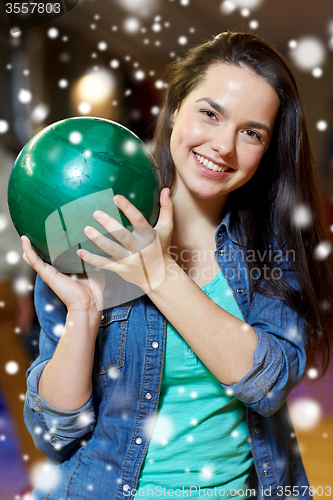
{"points": [[224, 141]]}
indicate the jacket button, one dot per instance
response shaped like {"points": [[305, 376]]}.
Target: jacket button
{"points": [[189, 350], [102, 317], [255, 430], [138, 440], [148, 395], [240, 290], [222, 252], [154, 345], [126, 487], [53, 441], [265, 472]]}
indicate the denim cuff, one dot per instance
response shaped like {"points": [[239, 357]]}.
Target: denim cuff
{"points": [[268, 362], [62, 426]]}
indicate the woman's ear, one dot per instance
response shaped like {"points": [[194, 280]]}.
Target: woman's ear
{"points": [[173, 118]]}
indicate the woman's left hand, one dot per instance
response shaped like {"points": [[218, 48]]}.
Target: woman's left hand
{"points": [[140, 256]]}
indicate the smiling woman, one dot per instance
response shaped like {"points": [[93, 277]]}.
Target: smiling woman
{"points": [[220, 132], [183, 390]]}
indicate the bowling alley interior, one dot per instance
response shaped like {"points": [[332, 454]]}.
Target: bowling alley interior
{"points": [[108, 60]]}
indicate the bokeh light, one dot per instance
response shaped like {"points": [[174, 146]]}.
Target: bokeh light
{"points": [[24, 96], [131, 25], [142, 8], [227, 7], [323, 250], [322, 125], [308, 53], [305, 413], [4, 126], [302, 216], [39, 113], [12, 367]]}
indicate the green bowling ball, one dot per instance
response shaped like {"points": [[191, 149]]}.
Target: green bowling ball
{"points": [[67, 171]]}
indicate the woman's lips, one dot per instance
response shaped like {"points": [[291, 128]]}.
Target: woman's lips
{"points": [[212, 174]]}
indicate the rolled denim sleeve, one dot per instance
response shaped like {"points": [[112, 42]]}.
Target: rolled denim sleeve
{"points": [[55, 433], [279, 359]]}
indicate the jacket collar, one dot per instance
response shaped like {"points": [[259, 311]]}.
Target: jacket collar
{"points": [[224, 230]]}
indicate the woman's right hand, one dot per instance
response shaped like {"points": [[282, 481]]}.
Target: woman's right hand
{"points": [[77, 293]]}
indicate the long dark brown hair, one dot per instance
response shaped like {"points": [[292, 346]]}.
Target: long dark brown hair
{"points": [[285, 181]]}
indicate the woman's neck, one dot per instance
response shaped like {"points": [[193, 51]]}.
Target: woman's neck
{"points": [[195, 217]]}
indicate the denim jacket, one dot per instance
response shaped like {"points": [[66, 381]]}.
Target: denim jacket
{"points": [[96, 451]]}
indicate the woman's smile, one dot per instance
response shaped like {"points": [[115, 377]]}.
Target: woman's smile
{"points": [[210, 169], [221, 130]]}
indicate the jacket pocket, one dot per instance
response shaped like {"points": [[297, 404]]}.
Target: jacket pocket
{"points": [[111, 339]]}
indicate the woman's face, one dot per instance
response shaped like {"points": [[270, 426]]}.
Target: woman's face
{"points": [[225, 123]]}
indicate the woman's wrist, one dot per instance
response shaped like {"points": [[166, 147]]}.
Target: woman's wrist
{"points": [[91, 317]]}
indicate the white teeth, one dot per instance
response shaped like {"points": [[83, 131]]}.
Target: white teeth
{"points": [[209, 164]]}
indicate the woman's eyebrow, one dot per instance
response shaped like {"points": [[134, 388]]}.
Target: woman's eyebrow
{"points": [[222, 111], [214, 105]]}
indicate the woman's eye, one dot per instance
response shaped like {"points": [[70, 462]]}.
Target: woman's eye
{"points": [[208, 113], [252, 133]]}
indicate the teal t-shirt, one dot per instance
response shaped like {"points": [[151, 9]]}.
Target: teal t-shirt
{"points": [[200, 436]]}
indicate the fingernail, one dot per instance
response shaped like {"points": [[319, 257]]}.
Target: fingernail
{"points": [[117, 199], [87, 230], [98, 215]]}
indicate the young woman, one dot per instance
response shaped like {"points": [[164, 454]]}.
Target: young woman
{"points": [[181, 392]]}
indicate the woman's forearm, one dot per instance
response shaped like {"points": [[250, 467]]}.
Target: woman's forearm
{"points": [[224, 343], [66, 382]]}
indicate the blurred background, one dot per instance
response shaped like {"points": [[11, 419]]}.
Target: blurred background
{"points": [[106, 58]]}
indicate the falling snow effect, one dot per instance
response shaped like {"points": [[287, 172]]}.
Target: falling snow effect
{"points": [[75, 137], [142, 8], [163, 430], [302, 216], [305, 413], [40, 113], [63, 83], [12, 257], [292, 44], [182, 40], [323, 250], [114, 374], [308, 53], [317, 72], [312, 373], [102, 46], [139, 75], [322, 125], [24, 96], [85, 419], [254, 24], [248, 4], [53, 33], [245, 12], [58, 329], [22, 286], [155, 110], [206, 472], [12, 367], [49, 308], [4, 126], [227, 7], [114, 63], [131, 25], [84, 108]]}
